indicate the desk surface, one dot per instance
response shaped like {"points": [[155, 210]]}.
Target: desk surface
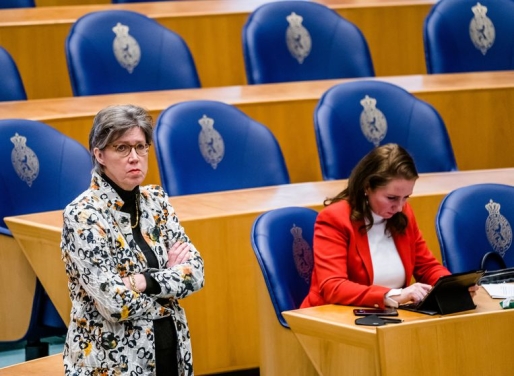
{"points": [[466, 343], [49, 365], [475, 107], [155, 101], [59, 108], [49, 3], [70, 12], [342, 316], [223, 316], [258, 200], [35, 37]]}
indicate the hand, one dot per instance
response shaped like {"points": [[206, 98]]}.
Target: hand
{"points": [[178, 254], [413, 293], [473, 290], [140, 282], [126, 281]]}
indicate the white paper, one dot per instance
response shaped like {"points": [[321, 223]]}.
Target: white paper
{"points": [[499, 290]]}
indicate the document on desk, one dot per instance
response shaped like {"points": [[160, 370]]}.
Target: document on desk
{"points": [[499, 290]]}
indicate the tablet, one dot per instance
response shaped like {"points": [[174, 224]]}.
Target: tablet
{"points": [[449, 295]]}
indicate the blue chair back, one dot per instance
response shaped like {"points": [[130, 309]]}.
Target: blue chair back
{"points": [[11, 84], [469, 36], [208, 146], [5, 4], [120, 51], [473, 221], [42, 170], [352, 118], [282, 242], [302, 40]]}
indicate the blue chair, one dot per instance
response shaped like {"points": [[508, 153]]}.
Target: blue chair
{"points": [[282, 242], [5, 4], [42, 170], [469, 36], [11, 84], [207, 146], [473, 221], [120, 51], [301, 40], [352, 118]]}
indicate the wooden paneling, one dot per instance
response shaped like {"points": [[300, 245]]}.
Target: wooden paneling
{"points": [[35, 37], [16, 300]]}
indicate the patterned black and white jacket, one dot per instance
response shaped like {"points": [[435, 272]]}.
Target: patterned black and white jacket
{"points": [[111, 327]]}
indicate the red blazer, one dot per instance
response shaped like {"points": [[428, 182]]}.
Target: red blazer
{"points": [[343, 271]]}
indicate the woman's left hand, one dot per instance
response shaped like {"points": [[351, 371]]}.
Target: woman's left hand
{"points": [[473, 290], [178, 254], [139, 280]]}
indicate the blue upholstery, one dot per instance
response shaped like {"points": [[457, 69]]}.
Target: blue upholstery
{"points": [[348, 126], [282, 242], [42, 170], [449, 47], [64, 168], [240, 152], [11, 84], [151, 57], [468, 227], [4, 4], [338, 49]]}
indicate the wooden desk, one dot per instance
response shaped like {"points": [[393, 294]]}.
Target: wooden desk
{"points": [[35, 37], [14, 266], [476, 108], [49, 3], [49, 365], [223, 317], [475, 342]]}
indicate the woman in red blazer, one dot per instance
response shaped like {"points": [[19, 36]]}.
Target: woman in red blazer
{"points": [[367, 244]]}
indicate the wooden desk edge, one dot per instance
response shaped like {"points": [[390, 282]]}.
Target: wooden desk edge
{"points": [[48, 365], [310, 194], [21, 221], [56, 109], [53, 14]]}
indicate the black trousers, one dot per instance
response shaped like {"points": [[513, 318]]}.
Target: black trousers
{"points": [[166, 356]]}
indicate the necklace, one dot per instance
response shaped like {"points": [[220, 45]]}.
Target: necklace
{"points": [[137, 213]]}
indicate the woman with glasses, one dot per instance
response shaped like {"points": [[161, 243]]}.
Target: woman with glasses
{"points": [[128, 261]]}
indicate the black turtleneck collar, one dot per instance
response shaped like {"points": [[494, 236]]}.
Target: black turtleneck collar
{"points": [[128, 197]]}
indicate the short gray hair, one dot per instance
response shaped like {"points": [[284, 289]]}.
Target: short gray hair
{"points": [[112, 122]]}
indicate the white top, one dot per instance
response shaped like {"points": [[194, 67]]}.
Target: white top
{"points": [[388, 269]]}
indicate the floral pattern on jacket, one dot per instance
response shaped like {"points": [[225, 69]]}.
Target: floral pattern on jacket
{"points": [[111, 327]]}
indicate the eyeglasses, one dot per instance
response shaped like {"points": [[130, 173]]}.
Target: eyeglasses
{"points": [[123, 150]]}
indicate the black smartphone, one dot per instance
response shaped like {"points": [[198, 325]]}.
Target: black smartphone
{"points": [[375, 311], [373, 320]]}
